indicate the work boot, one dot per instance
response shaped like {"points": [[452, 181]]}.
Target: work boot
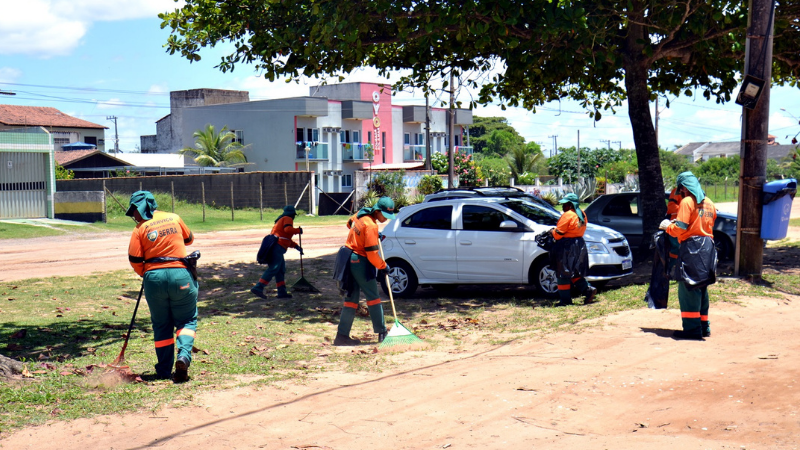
{"points": [[181, 370], [589, 294], [707, 333], [693, 334], [282, 293], [382, 336], [258, 292], [343, 341]]}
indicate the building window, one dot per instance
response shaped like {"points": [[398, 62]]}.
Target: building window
{"points": [[300, 134], [347, 181], [356, 137], [312, 135], [407, 138], [238, 136], [60, 141], [369, 137], [90, 140]]}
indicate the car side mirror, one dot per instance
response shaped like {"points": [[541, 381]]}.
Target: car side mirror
{"points": [[509, 225]]}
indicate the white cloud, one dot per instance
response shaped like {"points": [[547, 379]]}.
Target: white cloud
{"points": [[9, 74], [110, 103], [56, 27]]}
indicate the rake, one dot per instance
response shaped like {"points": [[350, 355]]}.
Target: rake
{"points": [[398, 336], [302, 285], [118, 363]]}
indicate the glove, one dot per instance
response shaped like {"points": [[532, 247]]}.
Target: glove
{"points": [[381, 236], [664, 224], [300, 249], [300, 231], [383, 273]]}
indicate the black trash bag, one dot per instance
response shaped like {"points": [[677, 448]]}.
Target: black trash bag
{"points": [[266, 248], [190, 261], [657, 295], [545, 240], [697, 262], [569, 257]]}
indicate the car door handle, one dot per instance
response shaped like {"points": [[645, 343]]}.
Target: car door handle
{"points": [[465, 242], [410, 242]]}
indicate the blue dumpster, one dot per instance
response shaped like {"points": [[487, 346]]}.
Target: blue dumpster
{"points": [[778, 197]]}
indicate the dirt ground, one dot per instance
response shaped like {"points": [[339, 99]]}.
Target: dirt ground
{"points": [[623, 383]]}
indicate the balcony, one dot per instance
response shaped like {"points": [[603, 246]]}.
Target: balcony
{"points": [[318, 152], [356, 152], [459, 148], [413, 152]]}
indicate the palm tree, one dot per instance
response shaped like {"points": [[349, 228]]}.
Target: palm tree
{"points": [[522, 159], [213, 149]]}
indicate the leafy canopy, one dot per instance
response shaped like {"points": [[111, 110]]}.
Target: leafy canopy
{"points": [[212, 149]]}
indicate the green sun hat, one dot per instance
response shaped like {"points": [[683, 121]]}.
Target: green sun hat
{"points": [[144, 202], [386, 206]]}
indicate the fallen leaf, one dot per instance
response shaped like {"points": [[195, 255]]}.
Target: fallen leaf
{"points": [[19, 334], [771, 356], [66, 373], [641, 425], [26, 373]]}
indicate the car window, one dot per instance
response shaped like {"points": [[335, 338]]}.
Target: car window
{"points": [[622, 206], [436, 218], [535, 213], [481, 218]]}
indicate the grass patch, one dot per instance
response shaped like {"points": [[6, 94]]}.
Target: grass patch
{"points": [[10, 230], [72, 323]]}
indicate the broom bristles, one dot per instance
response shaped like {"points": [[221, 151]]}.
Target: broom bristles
{"points": [[400, 335]]}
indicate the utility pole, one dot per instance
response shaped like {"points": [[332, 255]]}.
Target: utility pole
{"points": [[427, 134], [451, 130], [607, 141], [618, 142], [748, 261], [554, 151], [579, 155], [116, 136]]}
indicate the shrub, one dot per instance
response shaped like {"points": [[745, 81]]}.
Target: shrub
{"points": [[429, 184]]}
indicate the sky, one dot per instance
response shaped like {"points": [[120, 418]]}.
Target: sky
{"points": [[97, 59]]}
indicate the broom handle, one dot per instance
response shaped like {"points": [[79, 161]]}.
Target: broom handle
{"points": [[300, 236], [388, 284]]}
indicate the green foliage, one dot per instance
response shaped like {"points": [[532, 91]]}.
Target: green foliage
{"points": [[63, 174], [526, 178], [718, 169], [212, 149], [565, 163], [465, 169], [671, 165], [389, 184], [523, 159], [429, 184], [495, 170], [494, 129], [124, 173], [618, 170]]}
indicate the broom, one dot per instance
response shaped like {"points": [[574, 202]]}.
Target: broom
{"points": [[302, 285], [118, 363], [398, 335]]}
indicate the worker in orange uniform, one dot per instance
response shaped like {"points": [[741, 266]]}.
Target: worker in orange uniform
{"points": [[569, 256], [157, 252], [364, 258], [697, 257], [281, 240], [672, 213]]}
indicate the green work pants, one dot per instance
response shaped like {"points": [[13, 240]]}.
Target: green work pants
{"points": [[565, 287], [694, 308], [172, 298], [276, 268], [359, 265]]}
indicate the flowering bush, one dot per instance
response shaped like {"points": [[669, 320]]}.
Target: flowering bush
{"points": [[464, 167]]}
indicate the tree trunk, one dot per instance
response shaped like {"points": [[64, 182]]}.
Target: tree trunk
{"points": [[651, 183], [9, 367]]}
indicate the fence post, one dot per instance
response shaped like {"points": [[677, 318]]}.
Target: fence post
{"points": [[312, 196], [261, 201], [231, 201], [726, 189], [285, 194], [172, 187], [203, 190], [715, 192], [140, 185]]}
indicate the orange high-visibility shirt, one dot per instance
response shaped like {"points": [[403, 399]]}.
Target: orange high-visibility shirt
{"points": [[363, 239], [693, 219], [569, 226], [673, 203], [284, 229], [163, 235]]}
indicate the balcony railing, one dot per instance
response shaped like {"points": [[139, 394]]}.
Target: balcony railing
{"points": [[318, 151], [458, 148], [413, 152], [356, 152]]}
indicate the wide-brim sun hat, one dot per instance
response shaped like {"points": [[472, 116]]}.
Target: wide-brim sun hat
{"points": [[144, 202], [386, 206]]}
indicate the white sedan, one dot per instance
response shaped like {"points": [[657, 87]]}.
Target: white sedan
{"points": [[487, 241]]}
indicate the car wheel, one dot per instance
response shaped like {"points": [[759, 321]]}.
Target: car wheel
{"points": [[723, 245], [403, 279], [543, 277]]}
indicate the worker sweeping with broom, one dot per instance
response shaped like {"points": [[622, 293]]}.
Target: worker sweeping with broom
{"points": [[157, 252], [356, 266], [273, 248]]}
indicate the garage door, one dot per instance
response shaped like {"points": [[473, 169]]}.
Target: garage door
{"points": [[23, 185]]}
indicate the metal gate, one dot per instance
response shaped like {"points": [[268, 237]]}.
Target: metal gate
{"points": [[23, 185]]}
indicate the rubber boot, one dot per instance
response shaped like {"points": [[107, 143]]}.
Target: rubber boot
{"points": [[706, 326], [282, 292]]}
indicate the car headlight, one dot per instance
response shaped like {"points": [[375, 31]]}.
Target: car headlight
{"points": [[596, 247]]}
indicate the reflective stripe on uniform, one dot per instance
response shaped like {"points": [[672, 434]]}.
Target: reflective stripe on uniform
{"points": [[185, 332], [704, 318], [690, 314], [564, 287], [351, 305], [165, 343], [377, 301], [280, 283]]}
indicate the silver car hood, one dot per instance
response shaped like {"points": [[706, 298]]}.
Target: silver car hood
{"points": [[597, 233]]}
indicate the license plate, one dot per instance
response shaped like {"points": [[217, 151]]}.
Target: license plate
{"points": [[626, 264]]}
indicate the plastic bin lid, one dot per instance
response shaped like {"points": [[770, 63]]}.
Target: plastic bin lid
{"points": [[780, 185]]}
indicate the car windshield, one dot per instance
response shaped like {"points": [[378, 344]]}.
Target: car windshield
{"points": [[533, 212]]}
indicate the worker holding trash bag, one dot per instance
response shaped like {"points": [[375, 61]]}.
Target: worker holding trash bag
{"points": [[569, 256], [665, 257], [697, 257], [157, 252], [356, 265], [273, 247]]}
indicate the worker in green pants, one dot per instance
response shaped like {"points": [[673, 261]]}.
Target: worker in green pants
{"points": [[157, 252]]}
